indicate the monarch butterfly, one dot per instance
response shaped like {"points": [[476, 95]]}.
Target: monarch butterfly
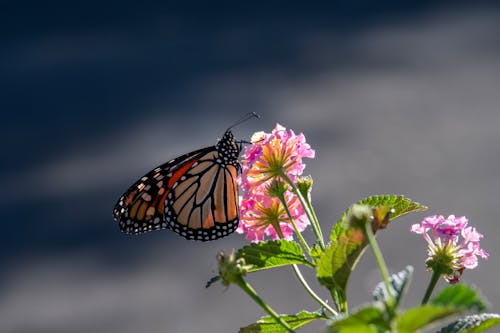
{"points": [[195, 195]]}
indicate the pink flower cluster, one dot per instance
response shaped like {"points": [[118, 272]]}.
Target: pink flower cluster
{"points": [[271, 156], [452, 235]]}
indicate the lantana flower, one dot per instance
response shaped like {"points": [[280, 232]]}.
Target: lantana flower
{"points": [[261, 215], [452, 246], [272, 156]]}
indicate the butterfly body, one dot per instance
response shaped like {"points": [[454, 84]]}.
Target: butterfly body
{"points": [[195, 195]]}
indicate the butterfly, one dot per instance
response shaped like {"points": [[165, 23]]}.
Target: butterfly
{"points": [[195, 195]]}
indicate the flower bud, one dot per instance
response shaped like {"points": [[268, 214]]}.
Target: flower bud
{"points": [[277, 188], [231, 269], [305, 184]]}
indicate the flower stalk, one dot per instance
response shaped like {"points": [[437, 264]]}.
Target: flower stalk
{"points": [[311, 292], [253, 294], [292, 222], [379, 258], [308, 210], [296, 269], [430, 288]]}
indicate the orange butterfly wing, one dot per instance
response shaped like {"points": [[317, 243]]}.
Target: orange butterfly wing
{"points": [[195, 195]]}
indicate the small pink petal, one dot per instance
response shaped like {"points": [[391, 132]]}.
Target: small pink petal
{"points": [[432, 222], [471, 235], [483, 254], [418, 229], [469, 261]]}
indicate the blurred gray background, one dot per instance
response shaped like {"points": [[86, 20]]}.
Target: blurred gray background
{"points": [[396, 97]]}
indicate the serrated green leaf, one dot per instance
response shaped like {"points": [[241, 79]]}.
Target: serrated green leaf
{"points": [[399, 283], [400, 205], [472, 324], [419, 317], [269, 325], [348, 242], [449, 301], [460, 296], [367, 319], [270, 254]]}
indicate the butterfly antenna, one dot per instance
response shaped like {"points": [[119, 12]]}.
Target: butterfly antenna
{"points": [[246, 117]]}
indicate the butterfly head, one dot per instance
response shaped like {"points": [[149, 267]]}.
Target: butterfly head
{"points": [[228, 148]]}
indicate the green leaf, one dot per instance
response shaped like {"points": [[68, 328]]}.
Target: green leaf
{"points": [[400, 204], [269, 325], [399, 283], [472, 324], [348, 241], [359, 328], [316, 252], [270, 254], [339, 258], [449, 301], [367, 319], [419, 317], [460, 296]]}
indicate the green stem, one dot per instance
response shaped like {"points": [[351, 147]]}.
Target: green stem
{"points": [[430, 288], [311, 292], [314, 217], [253, 294], [309, 211], [340, 301], [299, 275], [297, 232], [379, 259]]}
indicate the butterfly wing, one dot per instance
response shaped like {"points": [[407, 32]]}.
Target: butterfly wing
{"points": [[203, 202], [141, 207], [195, 195]]}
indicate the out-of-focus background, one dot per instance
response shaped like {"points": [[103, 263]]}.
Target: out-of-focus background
{"points": [[395, 96]]}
